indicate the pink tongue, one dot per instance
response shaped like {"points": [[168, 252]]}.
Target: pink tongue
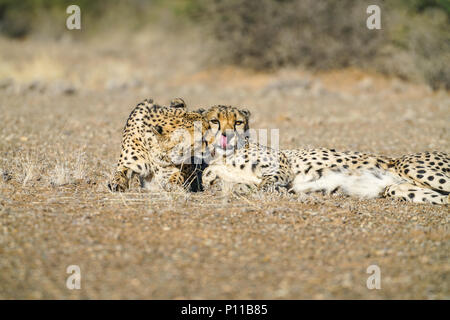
{"points": [[223, 142]]}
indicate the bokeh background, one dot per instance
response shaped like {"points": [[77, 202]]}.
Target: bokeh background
{"points": [[414, 42]]}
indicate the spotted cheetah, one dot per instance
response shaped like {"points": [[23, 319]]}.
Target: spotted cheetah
{"points": [[157, 145], [419, 178], [234, 159]]}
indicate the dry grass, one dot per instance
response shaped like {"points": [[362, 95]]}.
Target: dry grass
{"points": [[59, 148]]}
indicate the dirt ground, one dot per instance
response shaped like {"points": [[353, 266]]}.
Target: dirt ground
{"points": [[63, 106]]}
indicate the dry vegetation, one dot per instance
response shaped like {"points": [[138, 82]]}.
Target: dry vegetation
{"points": [[63, 109], [413, 42]]}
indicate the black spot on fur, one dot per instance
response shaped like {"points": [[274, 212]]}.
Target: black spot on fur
{"points": [[159, 129], [319, 172], [334, 190]]}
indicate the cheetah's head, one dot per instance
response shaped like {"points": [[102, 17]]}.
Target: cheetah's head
{"points": [[228, 127], [185, 141]]}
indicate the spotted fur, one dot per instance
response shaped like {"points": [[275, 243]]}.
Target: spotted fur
{"points": [[251, 165], [419, 178], [152, 139], [237, 160]]}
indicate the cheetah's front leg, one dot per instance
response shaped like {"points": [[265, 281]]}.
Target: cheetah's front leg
{"points": [[208, 178], [133, 160], [120, 181]]}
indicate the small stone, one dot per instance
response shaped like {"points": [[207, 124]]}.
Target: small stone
{"points": [[6, 176], [37, 86], [6, 83]]}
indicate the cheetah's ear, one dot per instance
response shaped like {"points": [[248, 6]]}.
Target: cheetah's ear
{"points": [[177, 103], [200, 110], [245, 112]]}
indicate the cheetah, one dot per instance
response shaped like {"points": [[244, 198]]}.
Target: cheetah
{"points": [[234, 159], [419, 178], [158, 145]]}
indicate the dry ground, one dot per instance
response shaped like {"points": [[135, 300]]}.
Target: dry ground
{"points": [[62, 113]]}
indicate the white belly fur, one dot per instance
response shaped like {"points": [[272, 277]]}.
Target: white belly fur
{"points": [[361, 183], [232, 174]]}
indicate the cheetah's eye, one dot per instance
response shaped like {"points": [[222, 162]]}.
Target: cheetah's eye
{"points": [[238, 123], [215, 121]]}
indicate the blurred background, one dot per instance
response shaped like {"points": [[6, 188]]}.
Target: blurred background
{"points": [[414, 43]]}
